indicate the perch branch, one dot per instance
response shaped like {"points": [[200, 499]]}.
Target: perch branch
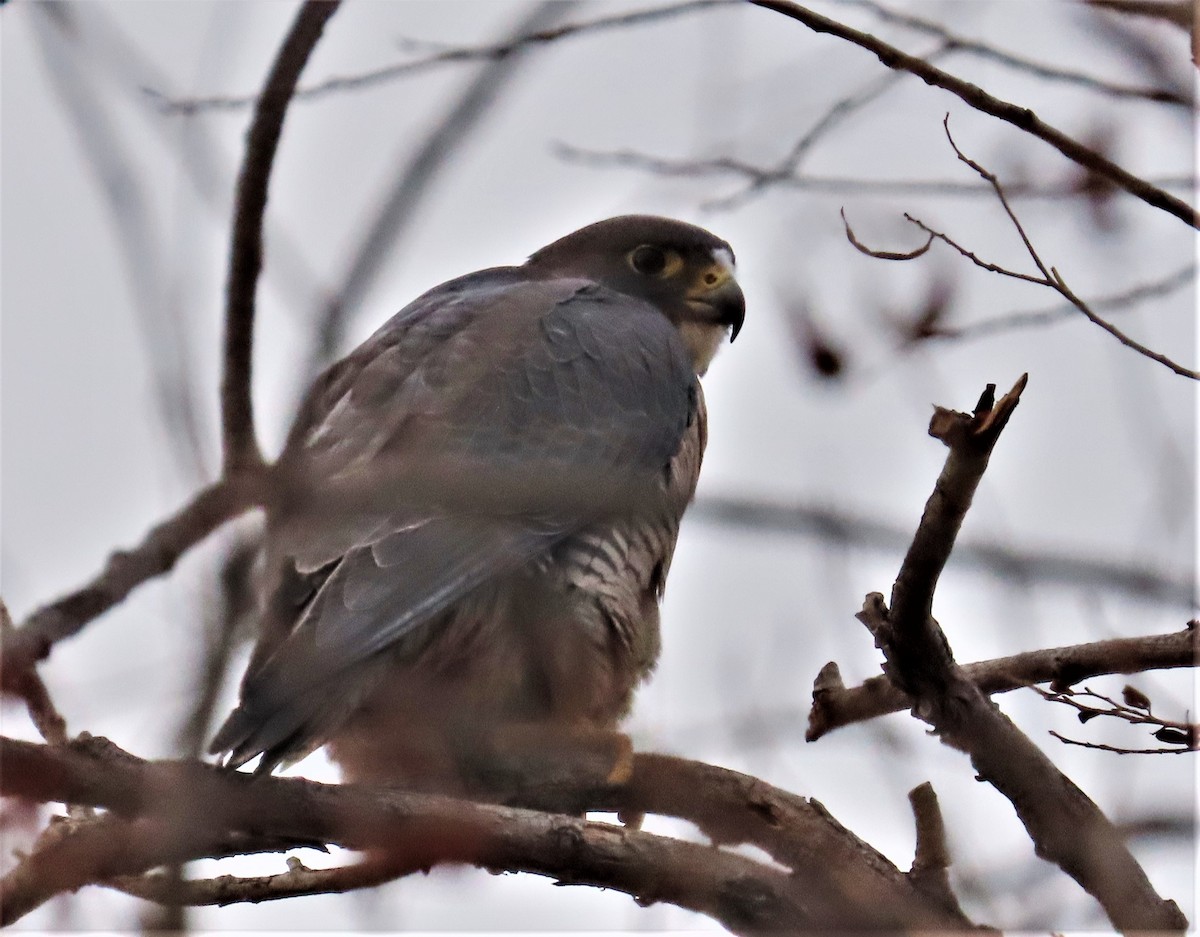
{"points": [[172, 811]]}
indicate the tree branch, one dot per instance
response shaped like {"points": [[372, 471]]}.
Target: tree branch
{"points": [[239, 445], [127, 569], [1021, 117], [487, 53], [1066, 827], [983, 50], [835, 705], [1046, 276], [174, 811], [1026, 566]]}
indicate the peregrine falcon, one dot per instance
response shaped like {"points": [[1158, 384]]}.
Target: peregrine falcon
{"points": [[475, 510]]}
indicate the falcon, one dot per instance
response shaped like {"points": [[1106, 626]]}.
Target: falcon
{"points": [[475, 510]]}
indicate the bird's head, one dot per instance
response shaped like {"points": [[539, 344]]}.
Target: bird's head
{"points": [[685, 271]]}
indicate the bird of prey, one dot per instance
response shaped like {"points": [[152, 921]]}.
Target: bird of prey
{"points": [[476, 509]]}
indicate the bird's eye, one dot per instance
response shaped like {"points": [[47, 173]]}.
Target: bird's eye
{"points": [[651, 261]]}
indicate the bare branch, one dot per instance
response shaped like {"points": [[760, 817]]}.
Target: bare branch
{"points": [[224, 890], [883, 255], [1048, 276], [28, 685], [1066, 827], [1118, 302], [489, 53], [1003, 560], [1181, 13], [238, 813], [128, 569], [1116, 750], [1020, 117], [759, 177], [239, 445], [931, 860], [1020, 63], [835, 705], [1136, 710]]}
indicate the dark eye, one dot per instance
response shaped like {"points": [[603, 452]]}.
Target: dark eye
{"points": [[649, 260]]}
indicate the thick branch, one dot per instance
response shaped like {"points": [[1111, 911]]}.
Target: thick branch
{"points": [[186, 810], [835, 705], [240, 446], [1066, 827], [1020, 117]]}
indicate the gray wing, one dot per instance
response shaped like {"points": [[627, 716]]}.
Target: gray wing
{"points": [[544, 403]]}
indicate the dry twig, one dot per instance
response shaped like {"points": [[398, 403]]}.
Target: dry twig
{"points": [[488, 53], [1136, 709], [1046, 276], [958, 43], [1020, 117]]}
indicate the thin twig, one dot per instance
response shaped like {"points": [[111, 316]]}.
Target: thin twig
{"points": [[761, 176], [883, 255], [239, 444], [488, 53], [1047, 276], [1136, 710], [1020, 117], [1020, 63], [1118, 302], [1005, 561], [834, 115], [224, 890], [1050, 276], [1121, 751]]}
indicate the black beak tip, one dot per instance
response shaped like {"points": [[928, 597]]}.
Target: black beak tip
{"points": [[734, 315]]}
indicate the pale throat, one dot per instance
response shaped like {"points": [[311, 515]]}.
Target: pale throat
{"points": [[702, 339]]}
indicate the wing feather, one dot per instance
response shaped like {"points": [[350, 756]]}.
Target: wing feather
{"points": [[557, 384]]}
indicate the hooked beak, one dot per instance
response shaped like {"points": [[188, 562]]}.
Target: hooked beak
{"points": [[722, 304]]}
